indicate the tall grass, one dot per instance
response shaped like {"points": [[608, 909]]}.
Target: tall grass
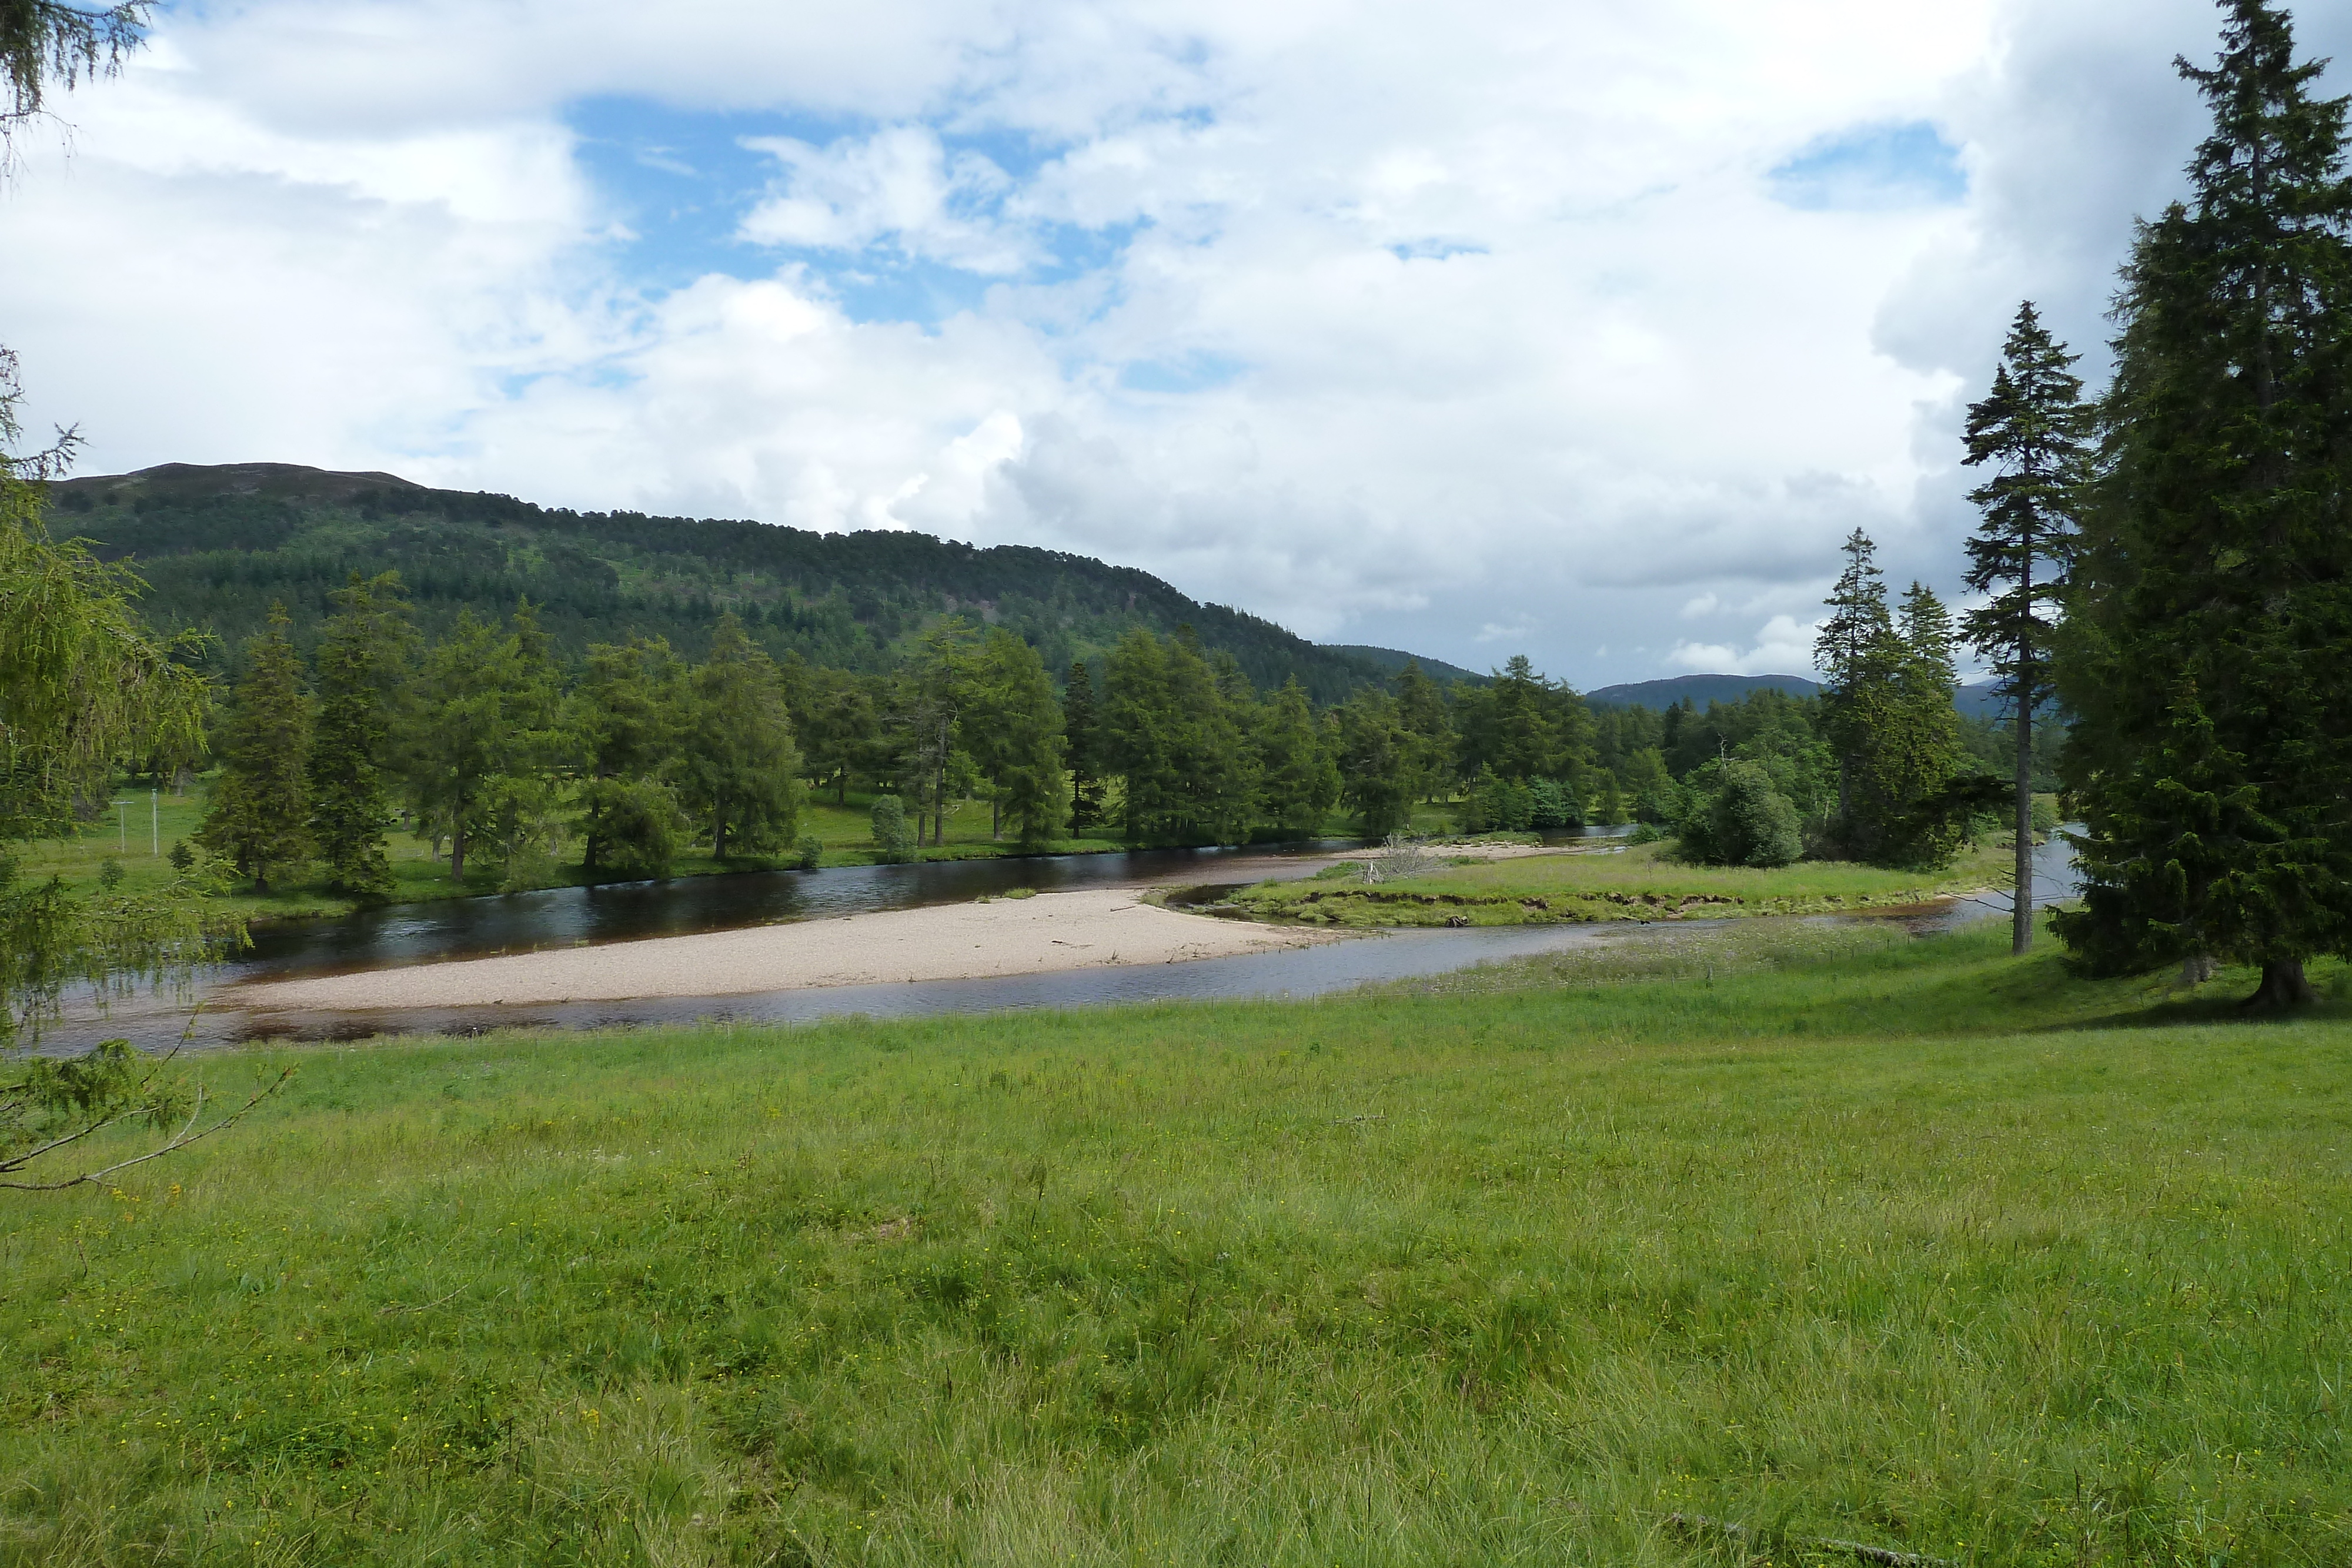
{"points": [[1881, 1239]]}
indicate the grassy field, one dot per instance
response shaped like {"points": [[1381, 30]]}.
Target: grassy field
{"points": [[138, 833], [1821, 1229], [1641, 882]]}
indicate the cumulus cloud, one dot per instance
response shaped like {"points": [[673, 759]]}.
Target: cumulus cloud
{"points": [[1470, 331], [1782, 647]]}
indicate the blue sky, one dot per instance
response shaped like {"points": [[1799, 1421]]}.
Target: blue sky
{"points": [[1579, 330]]}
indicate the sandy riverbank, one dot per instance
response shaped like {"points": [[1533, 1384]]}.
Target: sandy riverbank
{"points": [[1079, 930]]}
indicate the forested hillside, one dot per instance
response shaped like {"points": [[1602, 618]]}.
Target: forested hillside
{"points": [[218, 545]]}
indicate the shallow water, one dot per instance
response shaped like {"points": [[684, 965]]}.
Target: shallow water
{"points": [[569, 916]]}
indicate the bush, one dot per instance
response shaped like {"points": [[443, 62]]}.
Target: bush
{"points": [[812, 851], [894, 836], [2044, 817], [1554, 806], [1746, 821]]}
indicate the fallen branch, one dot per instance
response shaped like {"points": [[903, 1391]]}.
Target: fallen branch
{"points": [[1699, 1524]]}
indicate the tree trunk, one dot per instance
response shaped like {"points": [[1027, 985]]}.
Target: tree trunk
{"points": [[719, 837], [842, 796], [458, 850], [2021, 928], [2284, 985]]}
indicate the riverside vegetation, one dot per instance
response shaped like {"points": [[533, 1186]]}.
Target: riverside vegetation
{"points": [[1823, 1230]]}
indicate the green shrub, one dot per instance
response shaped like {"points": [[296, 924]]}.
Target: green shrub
{"points": [[894, 836], [812, 851], [1746, 821]]}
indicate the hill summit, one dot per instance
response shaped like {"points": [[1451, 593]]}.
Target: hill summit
{"points": [[219, 544]]}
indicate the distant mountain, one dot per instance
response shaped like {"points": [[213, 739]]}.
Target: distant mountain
{"points": [[219, 545], [1700, 689], [1393, 659], [1979, 702]]}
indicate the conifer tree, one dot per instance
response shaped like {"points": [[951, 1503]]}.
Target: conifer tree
{"points": [[1915, 758], [1023, 738], [1376, 763], [259, 819], [629, 713], [1082, 730], [2209, 624], [1421, 708], [2031, 427], [362, 651], [742, 772], [1298, 781], [1853, 653]]}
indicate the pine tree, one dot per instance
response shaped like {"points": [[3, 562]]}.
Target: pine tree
{"points": [[2209, 624], [261, 812], [1376, 763], [363, 654], [1421, 708], [2033, 428]]}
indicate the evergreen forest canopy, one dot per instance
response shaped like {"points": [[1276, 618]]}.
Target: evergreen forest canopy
{"points": [[219, 546]]}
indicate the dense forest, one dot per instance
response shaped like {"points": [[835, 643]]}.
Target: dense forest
{"points": [[219, 546]]}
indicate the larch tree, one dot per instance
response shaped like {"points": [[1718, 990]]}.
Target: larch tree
{"points": [[1082, 733], [2209, 622], [627, 716], [741, 771], [363, 660], [2033, 428], [1024, 765], [259, 815], [1298, 780]]}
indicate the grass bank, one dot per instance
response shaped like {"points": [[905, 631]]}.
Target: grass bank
{"points": [[1639, 882], [1826, 1231]]}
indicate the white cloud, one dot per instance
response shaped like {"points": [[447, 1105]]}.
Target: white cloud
{"points": [[899, 186], [1470, 331], [1782, 647]]}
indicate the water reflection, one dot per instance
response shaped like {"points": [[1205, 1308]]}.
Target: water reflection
{"points": [[565, 916]]}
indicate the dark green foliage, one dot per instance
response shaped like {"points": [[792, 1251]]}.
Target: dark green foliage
{"points": [[1553, 806], [54, 43], [628, 716], [1179, 742], [1014, 731], [182, 857], [894, 835], [741, 774], [2210, 626], [259, 819], [810, 851], [361, 671], [1376, 763], [1498, 804], [1298, 782], [1521, 726], [2033, 427], [482, 714], [220, 543], [1738, 818], [1083, 739]]}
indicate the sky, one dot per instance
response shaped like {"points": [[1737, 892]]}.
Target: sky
{"points": [[1583, 330]]}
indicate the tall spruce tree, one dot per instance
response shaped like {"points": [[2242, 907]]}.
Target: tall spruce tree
{"points": [[1298, 780], [1850, 652], [2033, 428], [1924, 825], [260, 818], [361, 667], [2209, 624]]}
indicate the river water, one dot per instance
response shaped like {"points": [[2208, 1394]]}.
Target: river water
{"points": [[402, 935]]}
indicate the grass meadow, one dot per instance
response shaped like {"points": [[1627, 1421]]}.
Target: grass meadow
{"points": [[1638, 882], [1826, 1230]]}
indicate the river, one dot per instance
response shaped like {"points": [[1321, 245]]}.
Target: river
{"points": [[403, 934]]}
